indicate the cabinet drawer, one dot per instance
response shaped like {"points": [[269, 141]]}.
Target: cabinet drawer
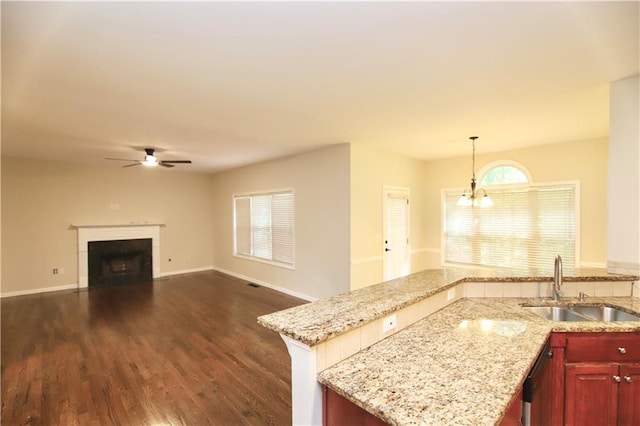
{"points": [[609, 347]]}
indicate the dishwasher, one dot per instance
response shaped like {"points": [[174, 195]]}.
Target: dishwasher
{"points": [[536, 395]]}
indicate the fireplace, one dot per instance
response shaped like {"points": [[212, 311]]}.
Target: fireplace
{"points": [[105, 233], [120, 261]]}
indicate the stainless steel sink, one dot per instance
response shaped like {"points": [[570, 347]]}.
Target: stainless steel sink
{"points": [[582, 313], [556, 313], [604, 313]]}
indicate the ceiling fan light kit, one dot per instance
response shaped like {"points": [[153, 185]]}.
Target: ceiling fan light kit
{"points": [[150, 160]]}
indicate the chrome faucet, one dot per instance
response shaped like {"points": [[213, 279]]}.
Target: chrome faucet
{"points": [[557, 278]]}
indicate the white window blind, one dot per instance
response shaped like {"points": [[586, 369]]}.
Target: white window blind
{"points": [[282, 227], [526, 228], [264, 226]]}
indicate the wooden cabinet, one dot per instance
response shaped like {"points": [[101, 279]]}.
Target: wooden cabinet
{"points": [[591, 394], [541, 406], [539, 389], [591, 379], [556, 397], [339, 411], [602, 379], [629, 396], [513, 415], [603, 347]]}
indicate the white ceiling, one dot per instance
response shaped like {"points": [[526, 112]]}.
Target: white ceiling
{"points": [[231, 83]]}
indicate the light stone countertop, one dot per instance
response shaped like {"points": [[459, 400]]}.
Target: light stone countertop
{"points": [[316, 322], [459, 366]]}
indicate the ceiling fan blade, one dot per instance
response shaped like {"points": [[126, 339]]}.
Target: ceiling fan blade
{"points": [[150, 159], [118, 159]]}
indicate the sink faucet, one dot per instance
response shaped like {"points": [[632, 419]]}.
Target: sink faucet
{"points": [[557, 278]]}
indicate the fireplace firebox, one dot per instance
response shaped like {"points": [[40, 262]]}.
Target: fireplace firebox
{"points": [[120, 261]]}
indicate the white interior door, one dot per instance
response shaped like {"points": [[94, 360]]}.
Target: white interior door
{"points": [[396, 261]]}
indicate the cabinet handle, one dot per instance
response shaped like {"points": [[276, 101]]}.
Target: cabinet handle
{"points": [[627, 379], [617, 379], [622, 350]]}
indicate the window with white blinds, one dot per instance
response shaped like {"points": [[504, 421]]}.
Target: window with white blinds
{"points": [[526, 228], [263, 227]]}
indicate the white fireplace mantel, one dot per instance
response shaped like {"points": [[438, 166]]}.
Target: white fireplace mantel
{"points": [[131, 231]]}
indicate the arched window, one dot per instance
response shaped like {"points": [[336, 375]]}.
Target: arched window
{"points": [[528, 225], [504, 173]]}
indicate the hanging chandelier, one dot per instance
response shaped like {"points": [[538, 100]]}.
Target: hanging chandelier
{"points": [[472, 197]]}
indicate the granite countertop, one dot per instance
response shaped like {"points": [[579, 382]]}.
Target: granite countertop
{"points": [[316, 322], [459, 366]]}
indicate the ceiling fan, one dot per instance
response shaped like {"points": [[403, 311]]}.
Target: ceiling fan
{"points": [[151, 160]]}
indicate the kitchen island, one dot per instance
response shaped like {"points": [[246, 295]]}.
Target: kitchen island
{"points": [[456, 354]]}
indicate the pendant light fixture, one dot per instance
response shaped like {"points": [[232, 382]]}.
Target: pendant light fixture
{"points": [[472, 197]]}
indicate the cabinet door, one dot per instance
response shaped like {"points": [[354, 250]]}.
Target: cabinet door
{"points": [[591, 394], [629, 410]]}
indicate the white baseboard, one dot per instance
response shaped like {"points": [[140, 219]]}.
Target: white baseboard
{"points": [[374, 259], [426, 250], [364, 260], [187, 271], [75, 286], [269, 285], [167, 274], [39, 290]]}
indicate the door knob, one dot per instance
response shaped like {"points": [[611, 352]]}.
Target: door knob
{"points": [[627, 379], [387, 249], [622, 350], [617, 379]]}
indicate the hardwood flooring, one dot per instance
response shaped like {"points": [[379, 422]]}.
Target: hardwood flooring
{"points": [[184, 350]]}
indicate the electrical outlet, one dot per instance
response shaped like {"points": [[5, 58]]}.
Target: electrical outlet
{"points": [[55, 271], [389, 323], [451, 294]]}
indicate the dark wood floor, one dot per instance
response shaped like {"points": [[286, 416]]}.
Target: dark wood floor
{"points": [[184, 350]]}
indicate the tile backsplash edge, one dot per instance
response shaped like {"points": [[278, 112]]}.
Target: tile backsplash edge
{"points": [[335, 350], [544, 289]]}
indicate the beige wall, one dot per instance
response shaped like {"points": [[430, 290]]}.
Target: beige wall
{"points": [[371, 170], [338, 194], [623, 245], [41, 199], [320, 181], [585, 161]]}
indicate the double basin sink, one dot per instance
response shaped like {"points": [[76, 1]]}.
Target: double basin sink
{"points": [[582, 313]]}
